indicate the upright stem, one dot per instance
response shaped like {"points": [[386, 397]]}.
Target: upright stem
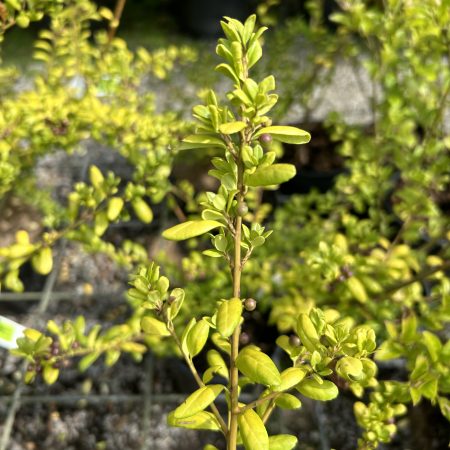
{"points": [[120, 5], [237, 269]]}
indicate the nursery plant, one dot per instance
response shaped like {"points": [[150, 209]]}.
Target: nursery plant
{"points": [[85, 90], [325, 346], [376, 247]]}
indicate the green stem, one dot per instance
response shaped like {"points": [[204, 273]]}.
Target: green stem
{"points": [[198, 380], [237, 270], [258, 402]]}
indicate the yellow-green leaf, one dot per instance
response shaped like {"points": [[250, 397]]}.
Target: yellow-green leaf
{"points": [[268, 176], [115, 206], [290, 135], [323, 392], [291, 377], [357, 289], [282, 442], [253, 432], [228, 316], [96, 177], [197, 337], [50, 374], [42, 261], [142, 210], [350, 368], [189, 229], [257, 366], [232, 127], [288, 401], [203, 420], [198, 401], [87, 361], [201, 141], [307, 332], [150, 325]]}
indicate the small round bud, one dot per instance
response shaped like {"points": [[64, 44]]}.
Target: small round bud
{"points": [[294, 341], [265, 138], [75, 345], [250, 304], [242, 209], [54, 348], [244, 338]]}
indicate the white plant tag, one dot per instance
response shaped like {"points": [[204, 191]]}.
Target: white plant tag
{"points": [[9, 332]]}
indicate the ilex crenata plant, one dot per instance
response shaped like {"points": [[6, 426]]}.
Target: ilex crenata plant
{"points": [[326, 345]]}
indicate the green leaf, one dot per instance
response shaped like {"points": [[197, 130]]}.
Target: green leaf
{"points": [[288, 401], [115, 206], [257, 366], [323, 392], [87, 361], [227, 70], [228, 316], [282, 442], [268, 176], [350, 368], [153, 326], [143, 212], [176, 297], [197, 337], [50, 374], [253, 432], [433, 344], [203, 420], [307, 332], [291, 377], [198, 401], [189, 229], [444, 405], [96, 177], [204, 139], [232, 127], [42, 261], [289, 135], [357, 289]]}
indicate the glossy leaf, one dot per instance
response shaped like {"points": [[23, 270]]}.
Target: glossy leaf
{"points": [[287, 134], [203, 420], [253, 432], [197, 337], [322, 392], [288, 401], [232, 127], [153, 326], [291, 377], [282, 442], [257, 366], [271, 175], [198, 401], [228, 316], [190, 229]]}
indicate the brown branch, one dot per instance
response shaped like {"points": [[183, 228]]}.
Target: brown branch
{"points": [[118, 10]]}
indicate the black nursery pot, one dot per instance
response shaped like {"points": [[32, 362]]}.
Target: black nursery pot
{"points": [[201, 17]]}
